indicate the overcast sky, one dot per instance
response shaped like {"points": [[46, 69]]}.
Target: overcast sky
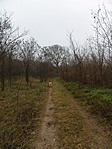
{"points": [[49, 20]]}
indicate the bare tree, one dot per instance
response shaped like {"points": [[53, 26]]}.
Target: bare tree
{"points": [[93, 63], [28, 50], [56, 55], [8, 36], [103, 39]]}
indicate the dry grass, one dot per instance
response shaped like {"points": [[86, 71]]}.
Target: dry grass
{"points": [[97, 101], [76, 128], [68, 120], [20, 109]]}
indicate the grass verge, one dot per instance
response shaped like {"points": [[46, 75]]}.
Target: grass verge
{"points": [[96, 100], [20, 109], [68, 120]]}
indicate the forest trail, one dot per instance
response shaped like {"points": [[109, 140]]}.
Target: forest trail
{"points": [[47, 138], [90, 136]]}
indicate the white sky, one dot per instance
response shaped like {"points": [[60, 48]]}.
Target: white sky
{"points": [[49, 20]]}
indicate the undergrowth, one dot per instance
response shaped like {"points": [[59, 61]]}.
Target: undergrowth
{"points": [[20, 108], [96, 100]]}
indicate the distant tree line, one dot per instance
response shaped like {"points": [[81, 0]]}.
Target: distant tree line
{"points": [[89, 64], [20, 57]]}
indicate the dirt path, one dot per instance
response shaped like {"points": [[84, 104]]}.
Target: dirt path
{"points": [[47, 137], [90, 136]]}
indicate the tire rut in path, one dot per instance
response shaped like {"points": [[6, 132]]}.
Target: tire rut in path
{"points": [[47, 137], [98, 136]]}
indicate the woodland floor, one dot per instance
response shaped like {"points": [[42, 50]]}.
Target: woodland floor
{"points": [[67, 125]]}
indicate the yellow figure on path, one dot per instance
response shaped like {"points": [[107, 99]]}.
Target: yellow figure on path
{"points": [[50, 84]]}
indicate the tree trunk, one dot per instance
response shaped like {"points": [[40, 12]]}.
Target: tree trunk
{"points": [[27, 72], [2, 75], [10, 69]]}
